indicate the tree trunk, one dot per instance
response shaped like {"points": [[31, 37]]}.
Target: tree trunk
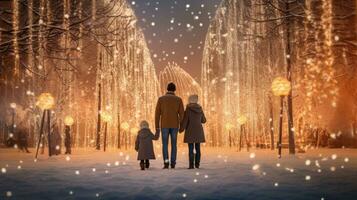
{"points": [[289, 71], [41, 133], [271, 122], [99, 120], [119, 144], [49, 132], [105, 136]]}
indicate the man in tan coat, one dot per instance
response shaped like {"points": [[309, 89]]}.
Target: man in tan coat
{"points": [[168, 116]]}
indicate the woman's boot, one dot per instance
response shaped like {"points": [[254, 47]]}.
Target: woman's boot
{"points": [[142, 165], [191, 161]]}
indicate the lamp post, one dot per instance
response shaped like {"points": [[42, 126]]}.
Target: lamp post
{"points": [[241, 121], [281, 87], [68, 122], [106, 118], [125, 126], [45, 102], [229, 127]]}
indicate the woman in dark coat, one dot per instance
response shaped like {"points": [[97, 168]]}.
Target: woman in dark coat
{"points": [[193, 119], [144, 145]]}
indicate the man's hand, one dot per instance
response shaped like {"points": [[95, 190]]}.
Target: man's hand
{"points": [[157, 131]]}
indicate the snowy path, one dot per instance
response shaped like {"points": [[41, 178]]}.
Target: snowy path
{"points": [[225, 174]]}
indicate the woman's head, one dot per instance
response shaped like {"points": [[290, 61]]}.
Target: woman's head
{"points": [[144, 124], [193, 98]]}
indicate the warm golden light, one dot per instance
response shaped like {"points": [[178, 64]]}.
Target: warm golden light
{"points": [[242, 119], [125, 126], [229, 126], [68, 120], [134, 130], [281, 86], [45, 101], [106, 117]]}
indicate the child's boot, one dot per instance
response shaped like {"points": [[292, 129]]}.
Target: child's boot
{"points": [[142, 165], [147, 164]]}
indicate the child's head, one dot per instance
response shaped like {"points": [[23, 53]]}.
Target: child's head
{"points": [[193, 98], [144, 124]]}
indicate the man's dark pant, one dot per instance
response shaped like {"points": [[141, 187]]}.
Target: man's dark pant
{"points": [[172, 132]]}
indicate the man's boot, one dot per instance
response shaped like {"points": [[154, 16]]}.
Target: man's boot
{"points": [[166, 166], [191, 160], [197, 161], [173, 166]]}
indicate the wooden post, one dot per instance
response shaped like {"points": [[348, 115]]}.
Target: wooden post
{"points": [[41, 133], [281, 124]]}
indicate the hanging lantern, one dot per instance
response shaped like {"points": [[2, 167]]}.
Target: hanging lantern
{"points": [[68, 120], [45, 101], [281, 86], [229, 126], [106, 116], [125, 126], [242, 120]]}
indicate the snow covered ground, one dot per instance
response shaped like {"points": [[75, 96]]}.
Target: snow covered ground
{"points": [[225, 174]]}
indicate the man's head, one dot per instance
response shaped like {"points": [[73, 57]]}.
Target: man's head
{"points": [[171, 87]]}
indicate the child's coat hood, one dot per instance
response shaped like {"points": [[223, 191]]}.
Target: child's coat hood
{"points": [[194, 107]]}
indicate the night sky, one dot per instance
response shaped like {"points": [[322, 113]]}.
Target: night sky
{"points": [[175, 30]]}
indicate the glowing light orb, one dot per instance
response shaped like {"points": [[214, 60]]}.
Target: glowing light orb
{"points": [[8, 193], [125, 126], [255, 167], [13, 105], [106, 116], [45, 101], [281, 86], [307, 177], [68, 120], [242, 119], [229, 126]]}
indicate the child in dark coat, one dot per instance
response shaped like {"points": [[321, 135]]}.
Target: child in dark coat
{"points": [[193, 119], [144, 145]]}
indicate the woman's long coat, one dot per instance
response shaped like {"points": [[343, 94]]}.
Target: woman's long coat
{"points": [[192, 124]]}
